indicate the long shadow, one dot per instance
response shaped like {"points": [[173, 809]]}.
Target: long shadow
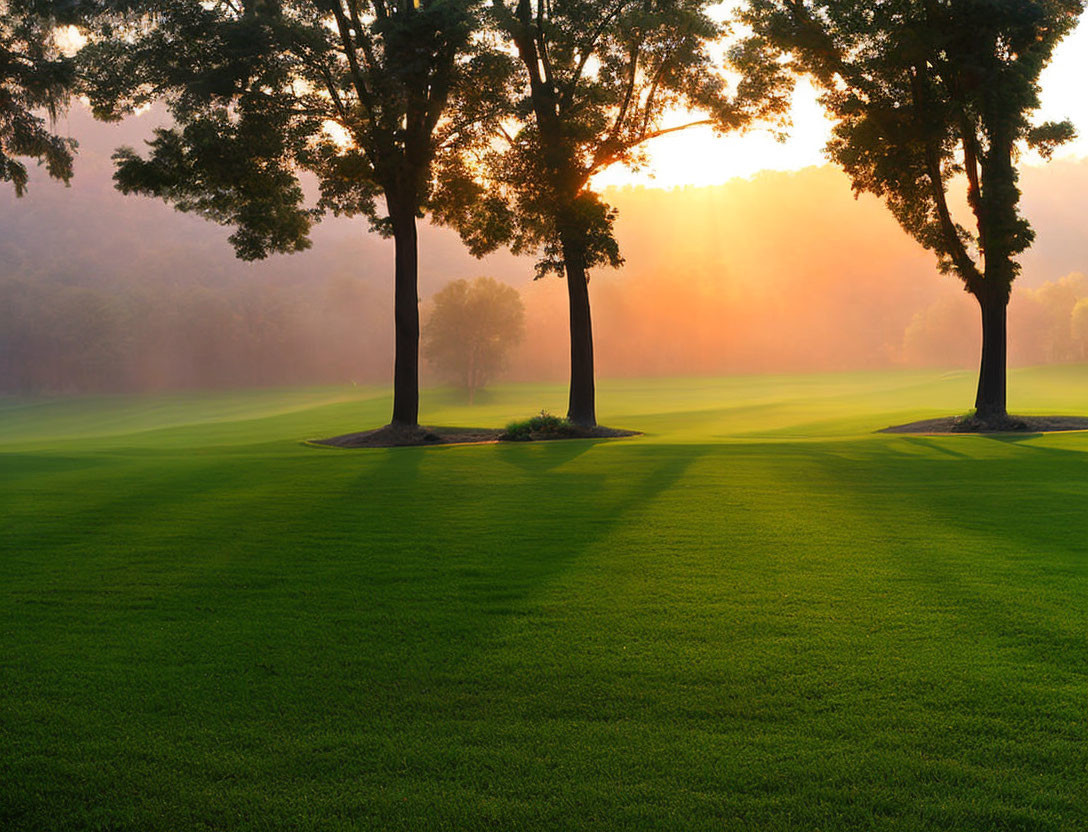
{"points": [[443, 611], [1011, 438], [539, 457], [286, 597], [377, 582], [935, 447], [416, 555], [1018, 525], [963, 489], [18, 465], [107, 496], [1023, 442]]}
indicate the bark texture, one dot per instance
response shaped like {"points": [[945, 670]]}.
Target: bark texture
{"points": [[990, 404], [582, 407], [406, 317]]}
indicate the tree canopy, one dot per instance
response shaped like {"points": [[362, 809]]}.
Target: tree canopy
{"points": [[359, 93], [35, 75]]}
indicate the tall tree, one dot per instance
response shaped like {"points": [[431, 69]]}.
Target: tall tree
{"points": [[471, 330], [366, 94], [930, 96], [599, 81], [35, 76]]}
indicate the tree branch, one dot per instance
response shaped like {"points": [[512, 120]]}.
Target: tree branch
{"points": [[955, 249], [609, 155], [587, 51]]}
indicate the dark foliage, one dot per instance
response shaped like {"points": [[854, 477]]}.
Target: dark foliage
{"points": [[542, 426], [35, 76]]}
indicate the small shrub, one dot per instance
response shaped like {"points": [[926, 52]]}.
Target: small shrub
{"points": [[542, 426]]}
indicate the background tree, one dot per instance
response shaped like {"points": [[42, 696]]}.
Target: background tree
{"points": [[929, 95], [35, 75], [363, 93], [599, 81], [1079, 327], [471, 330]]}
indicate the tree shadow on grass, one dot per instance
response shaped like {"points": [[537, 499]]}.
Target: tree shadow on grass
{"points": [[990, 531], [541, 457], [1009, 494], [535, 505], [935, 447], [414, 557], [1011, 438], [470, 537]]}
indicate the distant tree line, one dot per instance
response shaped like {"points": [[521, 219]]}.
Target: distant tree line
{"points": [[60, 336], [494, 117], [1049, 325], [114, 336]]}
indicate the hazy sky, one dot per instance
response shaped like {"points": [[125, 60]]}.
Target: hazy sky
{"points": [[698, 157]]}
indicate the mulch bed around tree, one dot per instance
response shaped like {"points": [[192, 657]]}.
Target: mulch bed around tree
{"points": [[392, 436], [1012, 424]]}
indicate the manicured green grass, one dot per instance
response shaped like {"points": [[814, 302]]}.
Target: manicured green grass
{"points": [[759, 616]]}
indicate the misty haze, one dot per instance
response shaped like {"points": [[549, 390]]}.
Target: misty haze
{"points": [[782, 272]]}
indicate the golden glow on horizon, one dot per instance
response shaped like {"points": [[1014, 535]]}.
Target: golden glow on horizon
{"points": [[698, 157]]}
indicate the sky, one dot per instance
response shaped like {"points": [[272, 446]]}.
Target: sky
{"points": [[698, 157]]}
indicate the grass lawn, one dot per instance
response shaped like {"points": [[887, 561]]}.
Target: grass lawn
{"points": [[759, 616]]}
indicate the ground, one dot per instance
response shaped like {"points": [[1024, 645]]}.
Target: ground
{"points": [[761, 615]]}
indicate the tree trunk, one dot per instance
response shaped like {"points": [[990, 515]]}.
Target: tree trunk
{"points": [[999, 230], [406, 317], [582, 409], [990, 400]]}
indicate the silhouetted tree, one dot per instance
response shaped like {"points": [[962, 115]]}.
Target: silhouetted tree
{"points": [[471, 330], [599, 80], [929, 94], [35, 75], [366, 94]]}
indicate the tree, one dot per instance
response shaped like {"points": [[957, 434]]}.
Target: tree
{"points": [[35, 75], [599, 80], [366, 94], [932, 95], [471, 330]]}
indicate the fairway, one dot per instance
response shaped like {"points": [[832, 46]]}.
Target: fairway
{"points": [[760, 615]]}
